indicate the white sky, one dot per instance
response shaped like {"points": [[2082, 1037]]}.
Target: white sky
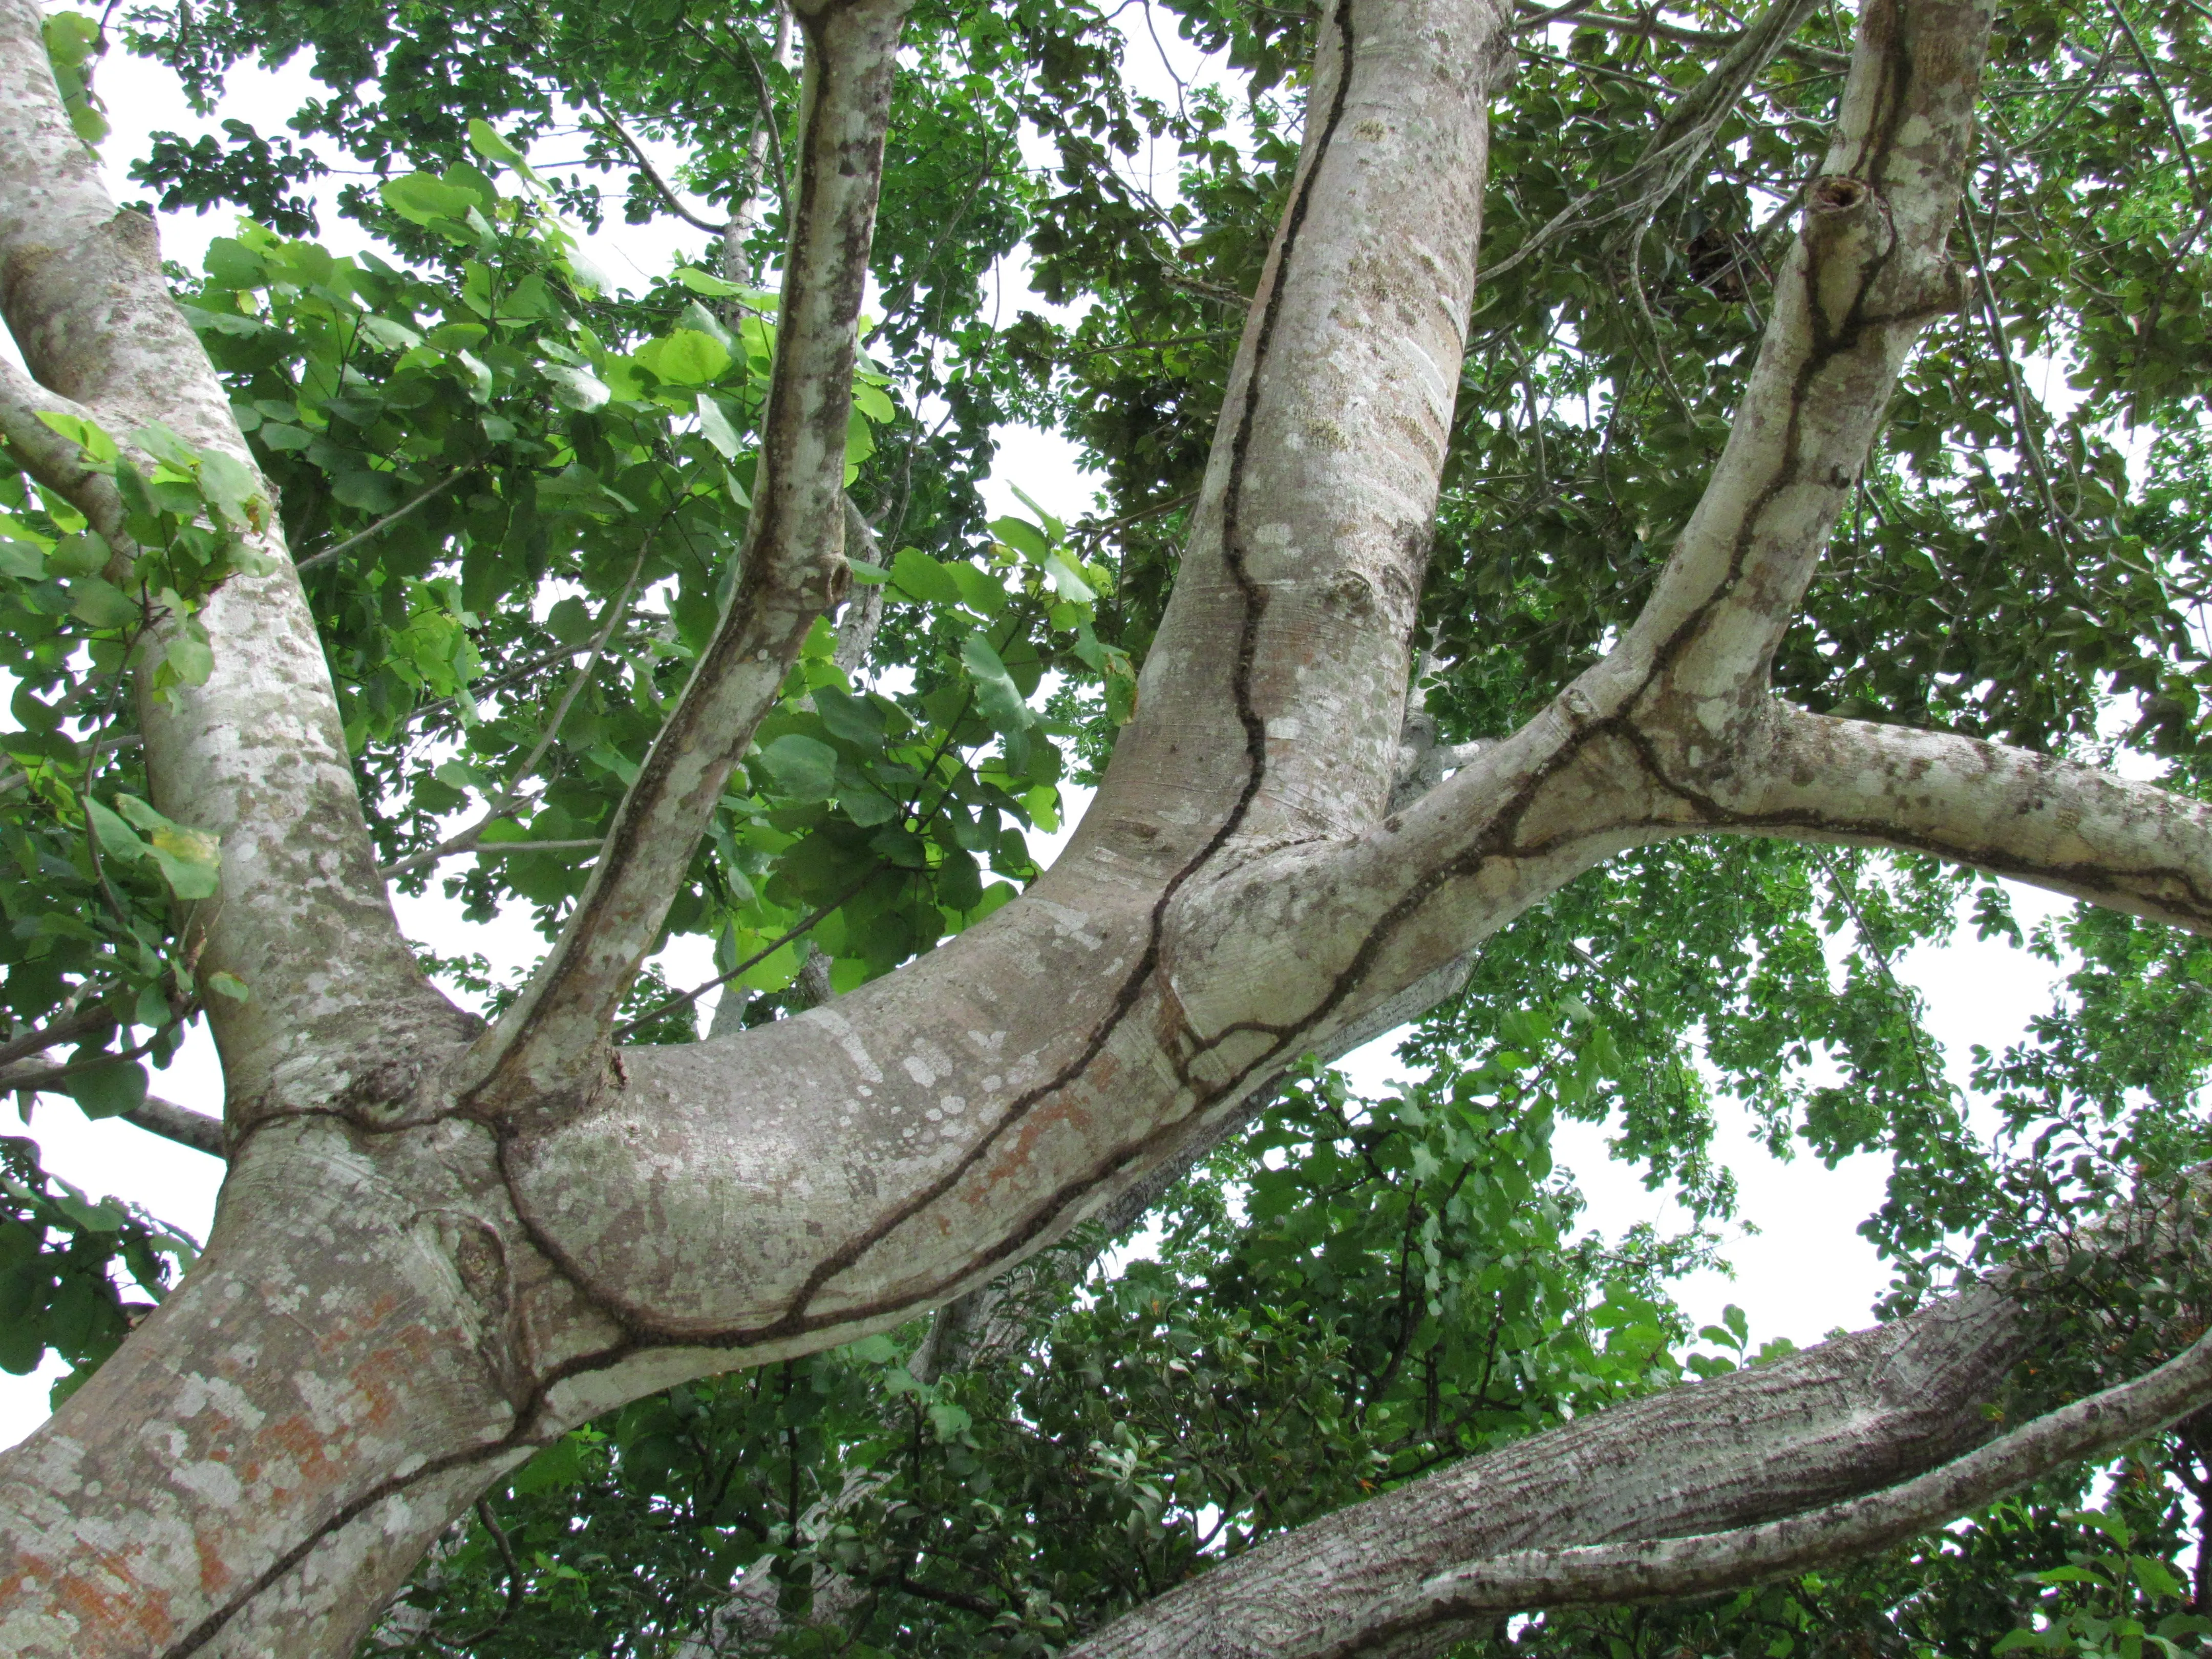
{"points": [[1806, 1273]]}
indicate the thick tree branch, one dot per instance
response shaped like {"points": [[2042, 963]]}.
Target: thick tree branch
{"points": [[1661, 1569], [910, 1140], [556, 1036], [154, 1114], [181, 1124], [1309, 538], [2051, 823], [256, 756], [1869, 268]]}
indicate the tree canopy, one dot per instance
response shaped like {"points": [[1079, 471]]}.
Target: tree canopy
{"points": [[518, 495]]}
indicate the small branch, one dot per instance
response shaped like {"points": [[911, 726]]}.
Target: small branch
{"points": [[187, 1127], [2165, 102], [614, 130], [766, 100], [1098, 531], [516, 1585], [314, 561], [2029, 442], [1650, 1569], [685, 999]]}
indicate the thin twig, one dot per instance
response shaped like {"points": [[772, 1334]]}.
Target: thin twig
{"points": [[2172, 124], [761, 93], [511, 792], [2029, 443], [313, 560], [615, 130]]}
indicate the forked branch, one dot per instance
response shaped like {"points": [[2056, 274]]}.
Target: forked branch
{"points": [[1664, 1569]]}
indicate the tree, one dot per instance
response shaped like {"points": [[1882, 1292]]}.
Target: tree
{"points": [[445, 1242]]}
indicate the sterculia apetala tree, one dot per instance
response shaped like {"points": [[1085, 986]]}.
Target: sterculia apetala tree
{"points": [[444, 1243]]}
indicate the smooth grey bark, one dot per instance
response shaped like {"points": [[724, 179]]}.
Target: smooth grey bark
{"points": [[433, 1255]]}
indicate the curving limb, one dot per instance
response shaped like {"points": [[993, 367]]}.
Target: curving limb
{"points": [[1702, 1564], [2051, 823], [554, 1226]]}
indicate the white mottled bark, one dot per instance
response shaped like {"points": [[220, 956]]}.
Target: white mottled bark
{"points": [[255, 756], [430, 1260]]}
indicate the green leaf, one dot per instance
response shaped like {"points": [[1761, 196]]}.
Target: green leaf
{"points": [[108, 1091], [191, 860], [714, 426], [685, 357], [231, 985], [921, 577], [70, 37], [1024, 537], [190, 655], [232, 491], [87, 437], [96, 601], [487, 143], [996, 694], [116, 837], [1065, 581], [800, 767], [576, 387], [419, 197]]}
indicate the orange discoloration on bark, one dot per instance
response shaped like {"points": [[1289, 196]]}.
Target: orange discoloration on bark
{"points": [[128, 1618], [216, 1575]]}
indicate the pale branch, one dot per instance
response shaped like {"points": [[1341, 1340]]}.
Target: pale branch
{"points": [[1309, 538], [1867, 271], [911, 1140], [2036, 818], [792, 569], [1664, 1569], [181, 1124], [1853, 1415], [1647, 742], [864, 610], [256, 755]]}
